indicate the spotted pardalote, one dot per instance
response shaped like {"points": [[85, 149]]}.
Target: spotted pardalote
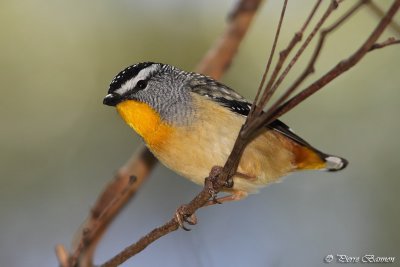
{"points": [[190, 122]]}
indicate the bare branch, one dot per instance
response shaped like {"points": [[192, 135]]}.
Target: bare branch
{"points": [[309, 69], [238, 22], [110, 202], [343, 66], [328, 12], [140, 245], [284, 54], [62, 256], [213, 183], [380, 13], [271, 56]]}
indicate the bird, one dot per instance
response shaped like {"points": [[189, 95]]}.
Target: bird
{"points": [[190, 121]]}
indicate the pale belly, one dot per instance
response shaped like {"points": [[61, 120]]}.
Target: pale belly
{"points": [[193, 150]]}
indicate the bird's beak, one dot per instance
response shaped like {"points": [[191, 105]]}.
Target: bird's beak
{"points": [[112, 99]]}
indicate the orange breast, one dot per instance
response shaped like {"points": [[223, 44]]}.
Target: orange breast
{"points": [[146, 122]]}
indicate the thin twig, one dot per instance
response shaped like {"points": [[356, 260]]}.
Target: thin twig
{"points": [[380, 13], [199, 201], [276, 111], [389, 41], [110, 202], [62, 256], [271, 56], [332, 7], [309, 69], [221, 52], [284, 54], [342, 66], [140, 245]]}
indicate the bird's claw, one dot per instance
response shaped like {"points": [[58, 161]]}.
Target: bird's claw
{"points": [[213, 194], [215, 172], [182, 217], [213, 179], [229, 183]]}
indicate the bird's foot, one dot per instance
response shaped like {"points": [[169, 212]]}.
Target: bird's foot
{"points": [[234, 196], [182, 216], [214, 184], [214, 175]]}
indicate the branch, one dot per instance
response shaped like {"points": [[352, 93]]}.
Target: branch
{"points": [[123, 188], [220, 56], [62, 256], [276, 111], [271, 56], [380, 13], [342, 66], [332, 7], [282, 58], [311, 65], [309, 69]]}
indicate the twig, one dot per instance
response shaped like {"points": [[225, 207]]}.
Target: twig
{"points": [[271, 56], [284, 54], [309, 69], [380, 13], [120, 190], [389, 41], [62, 256], [333, 6], [142, 244], [221, 53], [276, 111], [342, 66]]}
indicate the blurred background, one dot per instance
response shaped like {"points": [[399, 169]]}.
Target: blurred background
{"points": [[59, 145]]}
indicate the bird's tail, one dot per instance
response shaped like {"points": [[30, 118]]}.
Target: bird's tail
{"points": [[309, 158]]}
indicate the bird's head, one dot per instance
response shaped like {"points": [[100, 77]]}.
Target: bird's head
{"points": [[162, 88]]}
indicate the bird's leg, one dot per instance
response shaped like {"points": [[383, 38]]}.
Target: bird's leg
{"points": [[236, 195], [181, 216], [245, 176], [216, 170], [211, 181]]}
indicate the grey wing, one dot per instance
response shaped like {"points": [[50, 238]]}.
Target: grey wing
{"points": [[228, 98], [207, 86]]}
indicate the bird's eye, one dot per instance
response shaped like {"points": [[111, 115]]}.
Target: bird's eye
{"points": [[141, 84]]}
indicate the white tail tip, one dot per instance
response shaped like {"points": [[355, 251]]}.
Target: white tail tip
{"points": [[335, 163]]}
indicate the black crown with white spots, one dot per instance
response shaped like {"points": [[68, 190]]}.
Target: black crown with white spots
{"points": [[127, 74]]}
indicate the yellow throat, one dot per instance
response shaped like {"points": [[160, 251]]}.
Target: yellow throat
{"points": [[145, 121]]}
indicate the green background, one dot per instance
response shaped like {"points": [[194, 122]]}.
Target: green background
{"points": [[59, 145]]}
